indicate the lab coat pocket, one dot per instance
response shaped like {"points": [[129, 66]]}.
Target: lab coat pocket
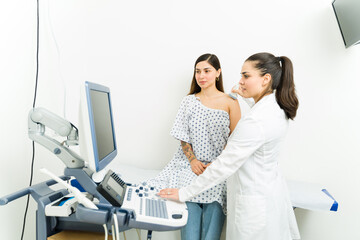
{"points": [[250, 216]]}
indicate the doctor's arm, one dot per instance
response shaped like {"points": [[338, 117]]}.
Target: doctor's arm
{"points": [[244, 141]]}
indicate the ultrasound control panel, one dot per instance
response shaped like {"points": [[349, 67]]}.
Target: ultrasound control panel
{"points": [[143, 200], [149, 207]]}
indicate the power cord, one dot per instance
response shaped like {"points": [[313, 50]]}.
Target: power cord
{"points": [[34, 101]]}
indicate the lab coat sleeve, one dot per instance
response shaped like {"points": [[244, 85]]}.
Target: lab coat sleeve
{"points": [[247, 137]]}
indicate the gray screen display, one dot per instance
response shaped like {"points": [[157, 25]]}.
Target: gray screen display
{"points": [[348, 17], [102, 123], [116, 186]]}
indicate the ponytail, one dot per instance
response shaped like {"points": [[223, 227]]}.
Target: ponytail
{"points": [[285, 91], [282, 80]]}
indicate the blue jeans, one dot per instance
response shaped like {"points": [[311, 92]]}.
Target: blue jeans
{"points": [[205, 221]]}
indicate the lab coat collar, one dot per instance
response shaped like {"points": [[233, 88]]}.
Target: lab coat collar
{"points": [[270, 97], [252, 104]]}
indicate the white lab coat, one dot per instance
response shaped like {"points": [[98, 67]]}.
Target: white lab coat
{"points": [[259, 207]]}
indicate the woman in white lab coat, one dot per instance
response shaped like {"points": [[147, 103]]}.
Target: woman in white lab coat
{"points": [[259, 207]]}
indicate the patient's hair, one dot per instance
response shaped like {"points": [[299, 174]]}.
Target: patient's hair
{"points": [[213, 60], [282, 80]]}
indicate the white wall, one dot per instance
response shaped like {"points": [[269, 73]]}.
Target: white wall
{"points": [[145, 51]]}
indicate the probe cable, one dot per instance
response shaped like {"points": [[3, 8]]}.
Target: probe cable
{"points": [[117, 234]]}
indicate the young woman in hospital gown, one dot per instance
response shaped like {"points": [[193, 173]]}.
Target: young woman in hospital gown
{"points": [[259, 207], [203, 123]]}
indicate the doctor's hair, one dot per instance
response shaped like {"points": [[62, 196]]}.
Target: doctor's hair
{"points": [[213, 60], [282, 80]]}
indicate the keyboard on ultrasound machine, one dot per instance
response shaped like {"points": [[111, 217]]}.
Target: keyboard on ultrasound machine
{"points": [[149, 208]]}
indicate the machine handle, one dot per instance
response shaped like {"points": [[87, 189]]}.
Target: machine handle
{"points": [[13, 196]]}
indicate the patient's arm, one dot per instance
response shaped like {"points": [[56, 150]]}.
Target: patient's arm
{"points": [[196, 166], [234, 114]]}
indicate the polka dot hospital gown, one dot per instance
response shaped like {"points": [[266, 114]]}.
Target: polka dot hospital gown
{"points": [[207, 130]]}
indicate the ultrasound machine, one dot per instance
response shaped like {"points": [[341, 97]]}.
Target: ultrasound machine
{"points": [[98, 198], [93, 198]]}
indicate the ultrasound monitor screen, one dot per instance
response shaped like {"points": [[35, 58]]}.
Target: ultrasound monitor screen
{"points": [[102, 123]]}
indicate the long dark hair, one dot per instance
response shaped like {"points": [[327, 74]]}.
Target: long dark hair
{"points": [[282, 80], [213, 60]]}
